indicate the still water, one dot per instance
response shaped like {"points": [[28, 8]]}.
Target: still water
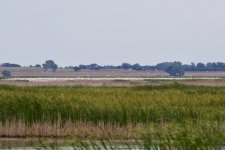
{"points": [[43, 144]]}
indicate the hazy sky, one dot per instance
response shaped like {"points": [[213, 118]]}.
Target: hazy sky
{"points": [[73, 32]]}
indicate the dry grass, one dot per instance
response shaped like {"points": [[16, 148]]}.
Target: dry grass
{"points": [[219, 82], [152, 136], [205, 73], [72, 83], [78, 130]]}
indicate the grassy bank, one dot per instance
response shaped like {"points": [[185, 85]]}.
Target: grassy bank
{"points": [[156, 114]]}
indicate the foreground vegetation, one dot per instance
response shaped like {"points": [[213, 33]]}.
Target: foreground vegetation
{"points": [[171, 116]]}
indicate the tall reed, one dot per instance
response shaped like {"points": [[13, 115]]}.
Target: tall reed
{"points": [[172, 112], [116, 105]]}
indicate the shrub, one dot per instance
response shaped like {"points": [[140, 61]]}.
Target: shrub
{"points": [[6, 74]]}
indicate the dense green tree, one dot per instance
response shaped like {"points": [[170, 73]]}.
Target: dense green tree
{"points": [[163, 66], [126, 66], [176, 70], [136, 67], [94, 67], [220, 66], [200, 67], [50, 64]]}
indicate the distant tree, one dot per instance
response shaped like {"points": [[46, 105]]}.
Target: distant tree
{"points": [[209, 67], [50, 64], [176, 70], [187, 67], [200, 67], [94, 67], [109, 67], [82, 67], [68, 67], [193, 66], [190, 67], [37, 65], [212, 66], [76, 69], [136, 67], [118, 67], [163, 66], [220, 66], [126, 66], [9, 65], [145, 68], [6, 74]]}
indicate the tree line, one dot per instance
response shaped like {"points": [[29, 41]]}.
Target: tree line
{"points": [[211, 66], [173, 68], [218, 66]]}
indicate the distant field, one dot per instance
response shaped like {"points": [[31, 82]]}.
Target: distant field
{"points": [[172, 115], [115, 82], [39, 72]]}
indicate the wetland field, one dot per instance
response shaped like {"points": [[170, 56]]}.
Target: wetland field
{"points": [[172, 116]]}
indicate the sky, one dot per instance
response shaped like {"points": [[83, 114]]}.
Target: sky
{"points": [[73, 32]]}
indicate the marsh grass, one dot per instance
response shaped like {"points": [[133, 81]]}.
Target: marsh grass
{"points": [[174, 114], [188, 136]]}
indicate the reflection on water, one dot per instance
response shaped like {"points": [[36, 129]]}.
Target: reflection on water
{"points": [[48, 144], [37, 144], [13, 143]]}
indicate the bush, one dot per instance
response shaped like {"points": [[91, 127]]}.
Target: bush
{"points": [[6, 74]]}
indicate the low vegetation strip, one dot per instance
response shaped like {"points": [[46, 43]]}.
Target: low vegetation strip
{"points": [[109, 79], [112, 104], [153, 113]]}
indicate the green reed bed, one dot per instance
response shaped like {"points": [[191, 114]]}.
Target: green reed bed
{"points": [[189, 114], [119, 105]]}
